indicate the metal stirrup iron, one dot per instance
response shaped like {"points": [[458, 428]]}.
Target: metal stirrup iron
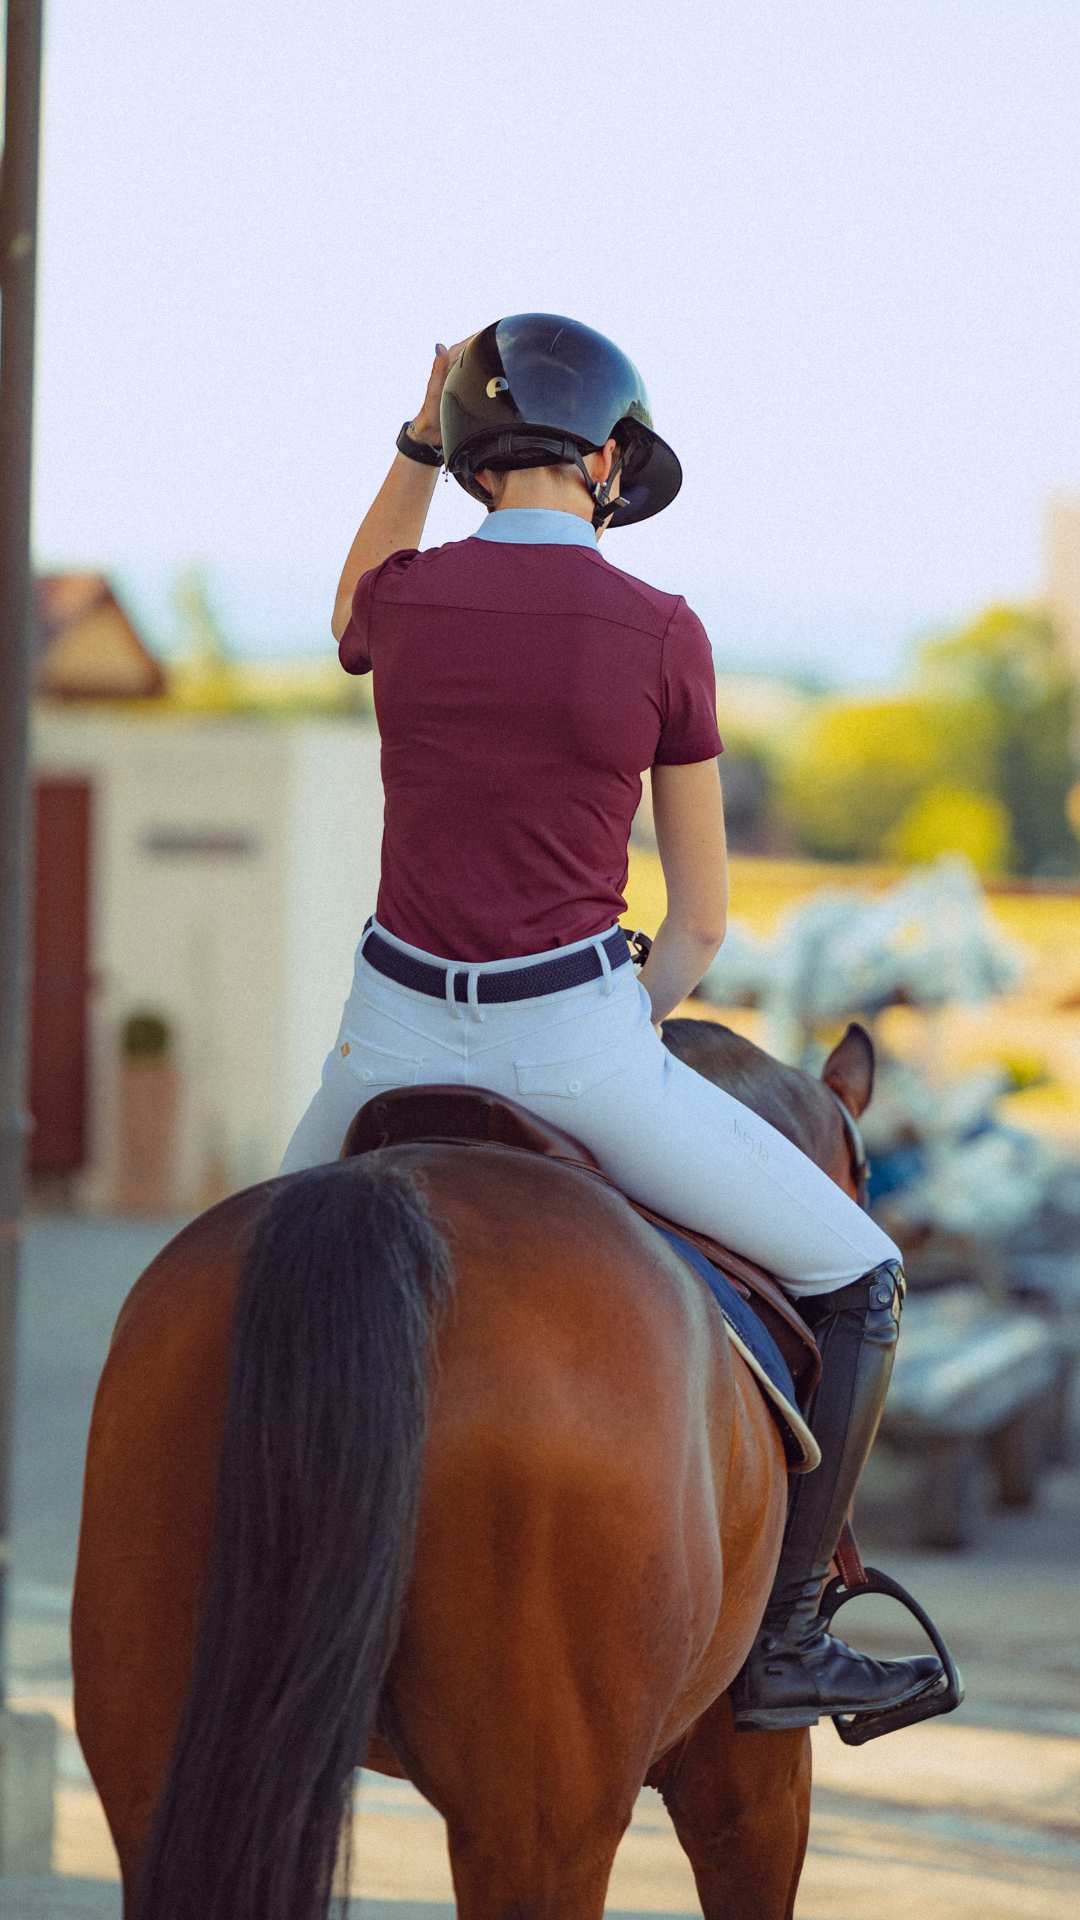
{"points": [[941, 1696]]}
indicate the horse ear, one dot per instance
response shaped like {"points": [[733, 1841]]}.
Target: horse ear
{"points": [[849, 1069]]}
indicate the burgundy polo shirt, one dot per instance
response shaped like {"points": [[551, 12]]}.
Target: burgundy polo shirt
{"points": [[521, 690]]}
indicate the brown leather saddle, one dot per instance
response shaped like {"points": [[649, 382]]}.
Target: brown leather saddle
{"points": [[471, 1116]]}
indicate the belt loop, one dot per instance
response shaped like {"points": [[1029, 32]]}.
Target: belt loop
{"points": [[605, 964], [451, 999], [368, 924], [474, 994]]}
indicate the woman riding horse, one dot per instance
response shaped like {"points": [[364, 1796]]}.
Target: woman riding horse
{"points": [[522, 685], [439, 1457]]}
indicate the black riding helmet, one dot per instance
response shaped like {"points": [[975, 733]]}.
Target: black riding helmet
{"points": [[537, 390]]}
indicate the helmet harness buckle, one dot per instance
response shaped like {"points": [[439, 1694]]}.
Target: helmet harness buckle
{"points": [[603, 505]]}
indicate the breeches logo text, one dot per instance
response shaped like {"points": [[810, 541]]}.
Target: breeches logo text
{"points": [[746, 1140]]}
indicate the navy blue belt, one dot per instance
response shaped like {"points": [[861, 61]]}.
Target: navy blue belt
{"points": [[493, 989]]}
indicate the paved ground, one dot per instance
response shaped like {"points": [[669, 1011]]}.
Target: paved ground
{"points": [[971, 1818], [65, 1899], [76, 1274]]}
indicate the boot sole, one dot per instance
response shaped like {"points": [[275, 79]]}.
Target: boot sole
{"points": [[776, 1719], [780, 1719]]}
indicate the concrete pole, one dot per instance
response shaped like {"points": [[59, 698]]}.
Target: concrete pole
{"points": [[18, 248], [27, 1741]]}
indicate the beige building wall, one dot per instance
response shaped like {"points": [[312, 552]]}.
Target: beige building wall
{"points": [[1063, 542], [333, 836], [234, 863]]}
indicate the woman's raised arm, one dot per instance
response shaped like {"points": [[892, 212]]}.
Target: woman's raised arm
{"points": [[396, 516], [688, 814]]}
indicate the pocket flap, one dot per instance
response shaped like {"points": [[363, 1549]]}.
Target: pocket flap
{"points": [[572, 1077], [374, 1066]]}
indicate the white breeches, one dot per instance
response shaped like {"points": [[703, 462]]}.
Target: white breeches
{"points": [[589, 1060]]}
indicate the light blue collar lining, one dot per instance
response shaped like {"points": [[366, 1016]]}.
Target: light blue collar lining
{"points": [[537, 527]]}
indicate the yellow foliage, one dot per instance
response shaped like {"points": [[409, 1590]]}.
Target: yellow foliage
{"points": [[1025, 1069], [950, 819], [645, 892], [208, 678], [271, 689], [1009, 653], [982, 737], [857, 766]]}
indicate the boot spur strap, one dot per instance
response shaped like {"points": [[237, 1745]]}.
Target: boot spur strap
{"points": [[941, 1696]]}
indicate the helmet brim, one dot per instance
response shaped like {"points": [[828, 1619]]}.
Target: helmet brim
{"points": [[652, 485]]}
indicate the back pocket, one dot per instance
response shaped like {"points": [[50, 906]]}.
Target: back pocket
{"points": [[376, 1067], [569, 1079]]}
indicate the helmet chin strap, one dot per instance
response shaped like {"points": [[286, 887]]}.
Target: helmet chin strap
{"points": [[603, 505]]}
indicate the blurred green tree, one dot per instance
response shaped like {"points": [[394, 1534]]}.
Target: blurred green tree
{"points": [[977, 757], [1009, 664]]}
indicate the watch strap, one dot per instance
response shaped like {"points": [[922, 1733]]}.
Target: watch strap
{"points": [[418, 450]]}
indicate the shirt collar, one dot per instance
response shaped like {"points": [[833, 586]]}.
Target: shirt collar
{"points": [[537, 527]]}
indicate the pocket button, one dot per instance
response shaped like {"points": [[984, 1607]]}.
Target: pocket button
{"points": [[573, 1086], [365, 1075]]}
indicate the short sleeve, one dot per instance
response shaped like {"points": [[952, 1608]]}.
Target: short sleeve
{"points": [[688, 691], [354, 647]]}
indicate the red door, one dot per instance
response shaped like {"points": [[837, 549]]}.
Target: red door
{"points": [[61, 931]]}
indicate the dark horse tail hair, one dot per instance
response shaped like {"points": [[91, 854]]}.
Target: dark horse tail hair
{"points": [[325, 1428]]}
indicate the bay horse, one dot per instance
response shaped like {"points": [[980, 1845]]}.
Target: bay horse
{"points": [[439, 1460]]}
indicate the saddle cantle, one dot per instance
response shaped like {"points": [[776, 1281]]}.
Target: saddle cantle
{"points": [[474, 1116]]}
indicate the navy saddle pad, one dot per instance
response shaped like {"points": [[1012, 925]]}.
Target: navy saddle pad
{"points": [[758, 1348]]}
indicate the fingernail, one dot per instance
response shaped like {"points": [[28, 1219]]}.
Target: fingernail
{"points": [[439, 348]]}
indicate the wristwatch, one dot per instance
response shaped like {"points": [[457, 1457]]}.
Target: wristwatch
{"points": [[418, 449]]}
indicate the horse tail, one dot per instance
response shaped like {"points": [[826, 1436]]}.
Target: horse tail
{"points": [[339, 1302]]}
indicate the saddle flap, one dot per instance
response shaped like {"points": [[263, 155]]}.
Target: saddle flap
{"points": [[449, 1113], [766, 1296]]}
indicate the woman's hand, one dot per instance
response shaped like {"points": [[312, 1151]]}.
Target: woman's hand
{"points": [[426, 424]]}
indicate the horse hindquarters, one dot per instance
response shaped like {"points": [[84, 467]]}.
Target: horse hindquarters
{"points": [[566, 1608]]}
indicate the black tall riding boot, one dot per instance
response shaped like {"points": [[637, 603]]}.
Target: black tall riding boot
{"points": [[796, 1671]]}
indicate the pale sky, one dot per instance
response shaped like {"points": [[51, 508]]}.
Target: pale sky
{"points": [[841, 243]]}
